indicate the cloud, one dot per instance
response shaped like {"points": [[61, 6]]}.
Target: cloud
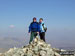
{"points": [[11, 26]]}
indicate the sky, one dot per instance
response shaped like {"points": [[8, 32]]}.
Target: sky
{"points": [[58, 15]]}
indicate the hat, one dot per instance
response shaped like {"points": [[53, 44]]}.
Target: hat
{"points": [[41, 18], [34, 18]]}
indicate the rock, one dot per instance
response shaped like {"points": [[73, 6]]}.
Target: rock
{"points": [[1, 54], [36, 48], [43, 53]]}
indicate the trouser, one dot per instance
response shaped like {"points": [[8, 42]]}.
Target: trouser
{"points": [[33, 35], [42, 36]]}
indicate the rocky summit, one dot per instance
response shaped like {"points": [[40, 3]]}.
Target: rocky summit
{"points": [[36, 48]]}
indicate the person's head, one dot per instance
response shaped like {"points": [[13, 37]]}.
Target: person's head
{"points": [[41, 19], [34, 19]]}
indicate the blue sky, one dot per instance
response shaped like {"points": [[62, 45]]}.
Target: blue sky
{"points": [[59, 17]]}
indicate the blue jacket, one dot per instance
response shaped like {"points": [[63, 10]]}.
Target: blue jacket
{"points": [[34, 27], [41, 26]]}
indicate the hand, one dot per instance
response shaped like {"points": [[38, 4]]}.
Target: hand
{"points": [[37, 32], [29, 33]]}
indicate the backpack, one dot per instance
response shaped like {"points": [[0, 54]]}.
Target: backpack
{"points": [[45, 28]]}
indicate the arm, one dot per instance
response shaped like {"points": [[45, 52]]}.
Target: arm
{"points": [[29, 28], [38, 28], [45, 26]]}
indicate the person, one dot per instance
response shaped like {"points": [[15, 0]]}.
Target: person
{"points": [[43, 29], [34, 29]]}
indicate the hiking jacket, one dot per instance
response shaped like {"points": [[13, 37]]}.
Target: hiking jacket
{"points": [[41, 27], [34, 27]]}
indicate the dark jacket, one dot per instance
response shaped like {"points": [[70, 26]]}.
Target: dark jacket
{"points": [[34, 27]]}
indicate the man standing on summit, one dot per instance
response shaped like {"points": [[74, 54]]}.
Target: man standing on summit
{"points": [[34, 29]]}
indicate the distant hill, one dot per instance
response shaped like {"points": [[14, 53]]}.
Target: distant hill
{"points": [[8, 42], [67, 48], [2, 50]]}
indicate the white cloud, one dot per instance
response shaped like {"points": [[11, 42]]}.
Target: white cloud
{"points": [[11, 26]]}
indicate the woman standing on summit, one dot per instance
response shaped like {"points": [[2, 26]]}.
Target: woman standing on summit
{"points": [[43, 29]]}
